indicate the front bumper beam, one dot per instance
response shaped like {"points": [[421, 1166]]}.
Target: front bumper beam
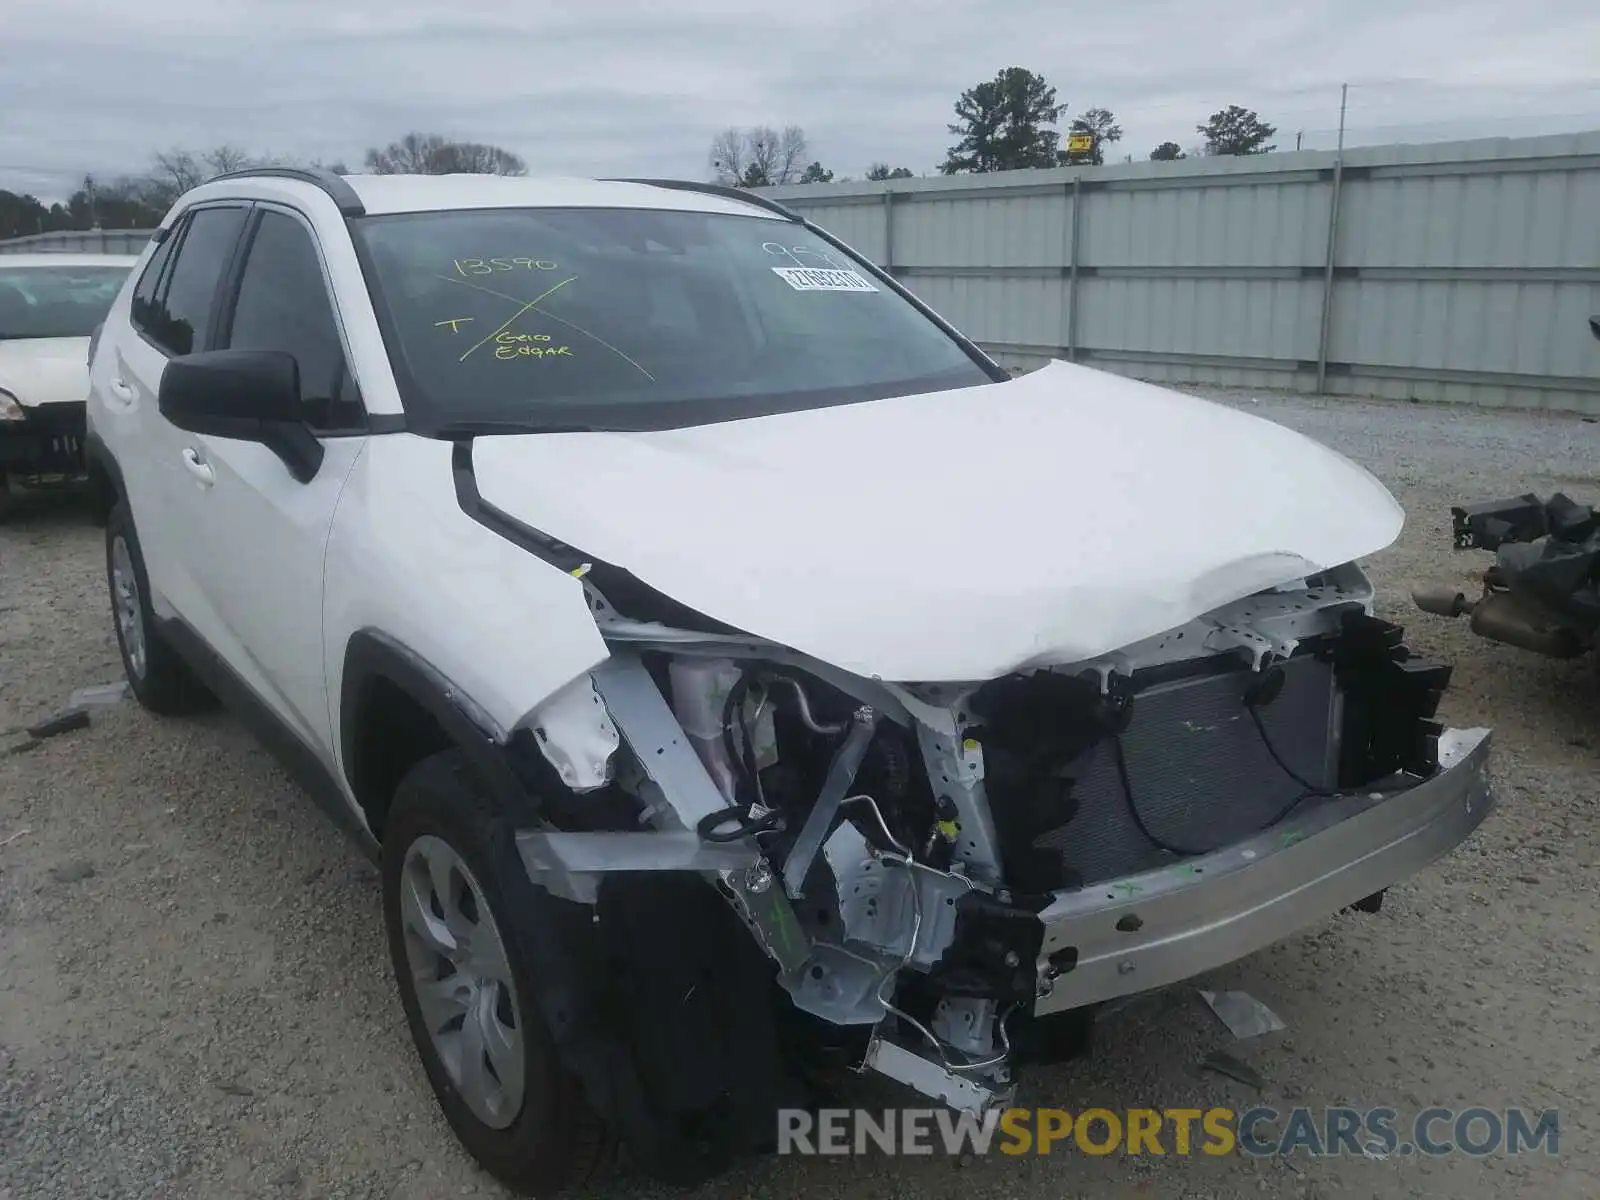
{"points": [[1160, 927]]}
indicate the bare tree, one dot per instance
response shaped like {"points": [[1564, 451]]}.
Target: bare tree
{"points": [[431, 154], [223, 159], [173, 172], [759, 156]]}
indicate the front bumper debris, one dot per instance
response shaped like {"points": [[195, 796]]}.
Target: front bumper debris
{"points": [[1163, 926]]}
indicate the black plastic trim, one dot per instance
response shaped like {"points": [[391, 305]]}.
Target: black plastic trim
{"points": [[302, 763], [336, 189], [722, 190], [622, 589], [97, 455], [371, 656]]}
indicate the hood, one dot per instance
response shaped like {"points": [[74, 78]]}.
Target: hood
{"points": [[957, 535], [45, 370]]}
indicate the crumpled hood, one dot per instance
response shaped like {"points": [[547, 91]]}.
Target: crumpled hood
{"points": [[45, 370], [959, 535]]}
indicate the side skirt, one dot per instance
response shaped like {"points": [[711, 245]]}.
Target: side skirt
{"points": [[302, 763]]}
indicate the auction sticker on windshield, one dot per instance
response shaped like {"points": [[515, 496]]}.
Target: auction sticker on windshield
{"points": [[823, 279]]}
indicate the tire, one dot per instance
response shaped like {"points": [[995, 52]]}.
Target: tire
{"points": [[442, 826], [160, 680]]}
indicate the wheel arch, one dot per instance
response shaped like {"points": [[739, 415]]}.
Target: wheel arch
{"points": [[106, 486], [395, 709]]}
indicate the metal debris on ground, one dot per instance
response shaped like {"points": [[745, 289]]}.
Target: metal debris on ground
{"points": [[99, 695], [1242, 1013], [21, 833]]}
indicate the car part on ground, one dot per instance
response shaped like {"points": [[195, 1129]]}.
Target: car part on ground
{"points": [[1542, 593]]}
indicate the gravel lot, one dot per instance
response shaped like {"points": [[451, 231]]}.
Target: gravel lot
{"points": [[195, 1002]]}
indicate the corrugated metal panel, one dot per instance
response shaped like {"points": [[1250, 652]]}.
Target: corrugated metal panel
{"points": [[88, 241], [1463, 271]]}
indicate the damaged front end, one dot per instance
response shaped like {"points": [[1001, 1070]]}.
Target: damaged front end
{"points": [[1542, 593], [944, 879]]}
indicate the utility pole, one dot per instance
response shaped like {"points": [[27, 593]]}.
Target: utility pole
{"points": [[1344, 96]]}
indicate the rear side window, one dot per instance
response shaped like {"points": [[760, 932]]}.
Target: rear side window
{"points": [[177, 294], [283, 305]]}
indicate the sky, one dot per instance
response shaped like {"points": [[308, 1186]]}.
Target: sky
{"points": [[608, 87]]}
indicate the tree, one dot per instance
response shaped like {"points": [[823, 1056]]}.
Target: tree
{"points": [[880, 170], [173, 172], [759, 156], [431, 154], [1102, 127], [1237, 130], [1003, 124], [816, 173], [1166, 152]]}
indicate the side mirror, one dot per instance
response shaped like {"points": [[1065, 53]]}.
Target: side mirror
{"points": [[249, 395], [1594, 326]]}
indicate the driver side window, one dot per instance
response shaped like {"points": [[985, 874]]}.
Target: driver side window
{"points": [[283, 305]]}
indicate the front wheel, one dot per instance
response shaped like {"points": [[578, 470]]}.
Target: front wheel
{"points": [[455, 902]]}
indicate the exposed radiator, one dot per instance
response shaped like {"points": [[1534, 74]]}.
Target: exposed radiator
{"points": [[1199, 771]]}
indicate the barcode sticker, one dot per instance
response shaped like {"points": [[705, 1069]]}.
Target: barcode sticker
{"points": [[823, 279]]}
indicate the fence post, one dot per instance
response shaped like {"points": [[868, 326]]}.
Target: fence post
{"points": [[888, 229], [1072, 271], [1327, 274]]}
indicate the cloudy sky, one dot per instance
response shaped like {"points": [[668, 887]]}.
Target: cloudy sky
{"points": [[626, 86]]}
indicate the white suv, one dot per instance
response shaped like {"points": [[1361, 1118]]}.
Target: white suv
{"points": [[739, 675]]}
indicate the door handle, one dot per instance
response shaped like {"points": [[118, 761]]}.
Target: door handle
{"points": [[123, 391], [198, 467]]}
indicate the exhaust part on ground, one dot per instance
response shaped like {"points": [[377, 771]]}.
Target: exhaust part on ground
{"points": [[1441, 599], [1504, 617]]}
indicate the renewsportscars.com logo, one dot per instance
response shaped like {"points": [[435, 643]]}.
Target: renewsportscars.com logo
{"points": [[1258, 1132]]}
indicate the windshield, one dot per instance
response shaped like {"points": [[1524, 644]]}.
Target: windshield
{"points": [[56, 302], [638, 319]]}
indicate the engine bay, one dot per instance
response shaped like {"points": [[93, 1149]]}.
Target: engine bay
{"points": [[892, 846]]}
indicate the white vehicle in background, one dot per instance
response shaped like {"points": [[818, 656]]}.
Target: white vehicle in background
{"points": [[50, 306]]}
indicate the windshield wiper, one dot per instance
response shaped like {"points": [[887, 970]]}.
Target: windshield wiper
{"points": [[460, 429]]}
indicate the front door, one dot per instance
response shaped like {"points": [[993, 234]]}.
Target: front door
{"points": [[261, 533]]}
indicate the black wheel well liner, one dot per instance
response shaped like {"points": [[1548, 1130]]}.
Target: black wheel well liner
{"points": [[105, 476], [395, 709]]}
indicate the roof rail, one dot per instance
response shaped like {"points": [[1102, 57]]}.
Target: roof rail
{"points": [[340, 192], [719, 189]]}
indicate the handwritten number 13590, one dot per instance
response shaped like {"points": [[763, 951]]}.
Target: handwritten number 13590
{"points": [[488, 266]]}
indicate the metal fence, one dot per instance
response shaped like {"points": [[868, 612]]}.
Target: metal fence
{"points": [[79, 241], [1462, 271]]}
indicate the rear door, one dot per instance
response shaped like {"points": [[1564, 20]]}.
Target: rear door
{"points": [[261, 533], [173, 313]]}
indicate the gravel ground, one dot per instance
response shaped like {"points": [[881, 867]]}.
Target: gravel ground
{"points": [[194, 999]]}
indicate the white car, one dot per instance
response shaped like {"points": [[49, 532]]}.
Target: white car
{"points": [[50, 305], [737, 674]]}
